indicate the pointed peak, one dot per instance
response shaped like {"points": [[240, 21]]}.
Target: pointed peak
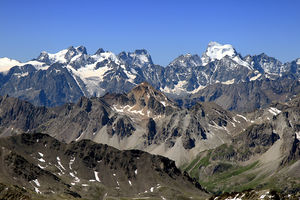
{"points": [[99, 51], [187, 60], [146, 91], [145, 88], [141, 52], [81, 49], [71, 48], [298, 61]]}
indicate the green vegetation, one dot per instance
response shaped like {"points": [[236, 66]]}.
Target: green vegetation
{"points": [[223, 181], [197, 162]]}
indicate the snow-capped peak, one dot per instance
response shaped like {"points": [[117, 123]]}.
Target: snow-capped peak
{"points": [[298, 61], [7, 63], [63, 56], [216, 51], [137, 58]]}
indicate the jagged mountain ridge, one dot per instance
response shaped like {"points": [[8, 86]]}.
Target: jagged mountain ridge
{"points": [[54, 79], [141, 119], [263, 156], [47, 169], [246, 96], [264, 141]]}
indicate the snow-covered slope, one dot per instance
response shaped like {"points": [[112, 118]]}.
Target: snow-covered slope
{"points": [[216, 51], [102, 72], [7, 63]]}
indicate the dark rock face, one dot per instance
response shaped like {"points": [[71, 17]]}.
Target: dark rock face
{"points": [[122, 127], [151, 130], [21, 114], [13, 192], [258, 135], [41, 163], [246, 96]]}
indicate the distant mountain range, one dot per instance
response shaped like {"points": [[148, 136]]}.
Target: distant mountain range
{"points": [[230, 122], [54, 79]]}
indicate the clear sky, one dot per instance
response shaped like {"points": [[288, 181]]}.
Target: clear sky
{"points": [[166, 28]]}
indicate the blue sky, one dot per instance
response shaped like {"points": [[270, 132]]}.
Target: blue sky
{"points": [[165, 28]]}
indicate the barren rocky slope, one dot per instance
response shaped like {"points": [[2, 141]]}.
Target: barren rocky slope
{"points": [[37, 166]]}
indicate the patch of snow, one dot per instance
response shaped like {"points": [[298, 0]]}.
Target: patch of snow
{"points": [[152, 189], [229, 82], [58, 57], [84, 185], [238, 60], [91, 77], [143, 58], [41, 160], [163, 103], [163, 198], [298, 135], [274, 111], [129, 182], [298, 62], [262, 196], [127, 109], [233, 124], [36, 181], [178, 88], [41, 154], [59, 163], [234, 198], [135, 171], [130, 76], [37, 190], [71, 163], [78, 138], [19, 75], [92, 180], [41, 166], [96, 176], [242, 117], [76, 179], [37, 65], [72, 183], [255, 77]]}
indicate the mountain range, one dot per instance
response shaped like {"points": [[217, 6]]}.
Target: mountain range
{"points": [[215, 146], [75, 125], [65, 76]]}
